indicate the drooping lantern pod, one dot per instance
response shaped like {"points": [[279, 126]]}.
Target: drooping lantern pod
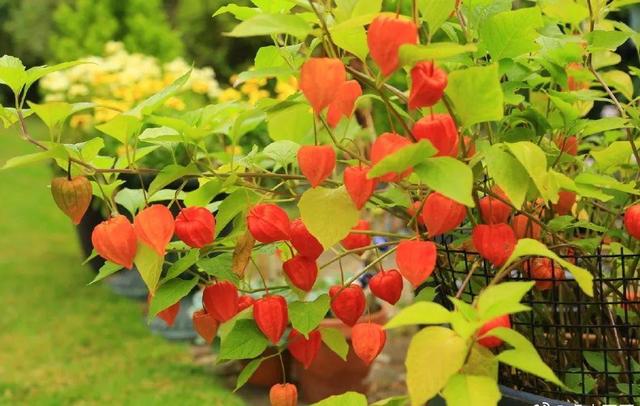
{"points": [[385, 145], [115, 240], [220, 300], [494, 242], [566, 200], [524, 227], [575, 82], [441, 131], [546, 273], [385, 35], [416, 260], [72, 196], [303, 241], [368, 340], [441, 214], [568, 145], [344, 102], [354, 241], [387, 285], [169, 314], [268, 223], [304, 349], [489, 341], [205, 325], [195, 226], [469, 146], [320, 81], [244, 302], [154, 227], [493, 210], [301, 271], [283, 394], [358, 185], [347, 303], [427, 85], [271, 316], [632, 221], [316, 162]]}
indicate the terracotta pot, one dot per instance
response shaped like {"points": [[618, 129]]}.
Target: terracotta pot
{"points": [[270, 371], [328, 374]]}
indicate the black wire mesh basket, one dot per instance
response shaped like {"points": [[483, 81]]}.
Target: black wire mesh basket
{"points": [[591, 343]]}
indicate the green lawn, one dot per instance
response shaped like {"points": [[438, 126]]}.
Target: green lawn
{"points": [[62, 342]]}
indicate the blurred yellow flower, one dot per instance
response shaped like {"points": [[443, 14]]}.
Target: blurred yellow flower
{"points": [[82, 121], [286, 88], [229, 94], [175, 103]]}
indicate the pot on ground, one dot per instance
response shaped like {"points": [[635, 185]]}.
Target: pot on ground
{"points": [[328, 374]]}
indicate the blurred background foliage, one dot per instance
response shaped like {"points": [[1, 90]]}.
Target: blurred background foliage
{"points": [[71, 29]]}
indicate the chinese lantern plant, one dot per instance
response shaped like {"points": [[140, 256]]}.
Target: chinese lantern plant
{"points": [[457, 119]]}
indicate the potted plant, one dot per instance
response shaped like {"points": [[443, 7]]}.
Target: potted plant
{"points": [[474, 128]]}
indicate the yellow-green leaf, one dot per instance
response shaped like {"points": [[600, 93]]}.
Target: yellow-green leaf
{"points": [[530, 247], [149, 264], [420, 313], [329, 214], [437, 346], [471, 390]]}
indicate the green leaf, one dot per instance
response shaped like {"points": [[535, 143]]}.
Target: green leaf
{"points": [[109, 268], [504, 298], [293, 123], [12, 73], [130, 199], [319, 204], [152, 103], [233, 205], [122, 127], [511, 33], [435, 12], [448, 176], [346, 399], [270, 24], [534, 161], [219, 266], [247, 372], [470, 390], [182, 264], [283, 152], [392, 401], [615, 154], [437, 346], [523, 355], [57, 151], [272, 72], [239, 12], [306, 316], [244, 341], [203, 195], [37, 72], [149, 264], [530, 247], [411, 54], [169, 294], [478, 11], [336, 341], [52, 114], [507, 173], [476, 94], [605, 40], [351, 39], [420, 313], [169, 174], [604, 182], [247, 121], [620, 81], [566, 11], [402, 159]]}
